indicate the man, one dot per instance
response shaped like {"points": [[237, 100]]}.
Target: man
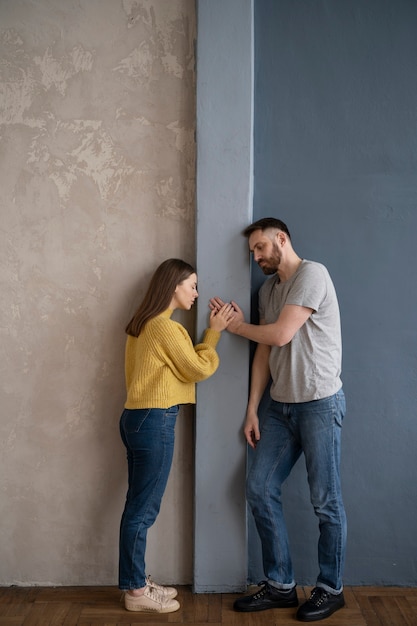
{"points": [[299, 347]]}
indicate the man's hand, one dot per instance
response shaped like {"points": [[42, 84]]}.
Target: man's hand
{"points": [[237, 319], [217, 303], [251, 429]]}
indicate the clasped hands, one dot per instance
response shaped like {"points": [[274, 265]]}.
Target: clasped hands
{"points": [[238, 318]]}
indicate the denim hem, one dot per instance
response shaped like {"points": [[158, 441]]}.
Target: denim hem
{"points": [[282, 586], [334, 592]]}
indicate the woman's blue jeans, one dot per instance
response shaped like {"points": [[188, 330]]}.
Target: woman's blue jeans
{"points": [[287, 431], [148, 435]]}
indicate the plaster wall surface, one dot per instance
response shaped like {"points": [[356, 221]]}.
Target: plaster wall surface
{"points": [[97, 184]]}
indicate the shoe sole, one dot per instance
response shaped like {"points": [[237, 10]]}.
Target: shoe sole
{"points": [[289, 605], [317, 618], [141, 609]]}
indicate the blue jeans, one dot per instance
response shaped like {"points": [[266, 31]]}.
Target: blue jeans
{"points": [[288, 430], [148, 435]]}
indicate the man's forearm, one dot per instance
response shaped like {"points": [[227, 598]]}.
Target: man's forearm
{"points": [[260, 376], [265, 334]]}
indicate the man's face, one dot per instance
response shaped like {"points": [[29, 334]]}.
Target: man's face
{"points": [[265, 249]]}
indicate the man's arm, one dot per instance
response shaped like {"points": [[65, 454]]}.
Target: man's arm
{"points": [[290, 320], [259, 380]]}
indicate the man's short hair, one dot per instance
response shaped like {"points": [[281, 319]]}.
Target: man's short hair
{"points": [[264, 224]]}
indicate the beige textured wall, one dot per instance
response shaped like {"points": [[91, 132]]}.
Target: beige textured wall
{"points": [[97, 182]]}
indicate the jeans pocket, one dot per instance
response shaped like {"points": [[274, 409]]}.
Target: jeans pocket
{"points": [[340, 407], [133, 419]]}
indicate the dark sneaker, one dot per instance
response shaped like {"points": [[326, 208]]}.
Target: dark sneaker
{"points": [[320, 605], [267, 598]]}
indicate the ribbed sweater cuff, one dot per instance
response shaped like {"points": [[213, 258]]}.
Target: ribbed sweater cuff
{"points": [[212, 337]]}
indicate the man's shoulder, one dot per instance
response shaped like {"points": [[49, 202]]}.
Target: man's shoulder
{"points": [[310, 263], [312, 267]]}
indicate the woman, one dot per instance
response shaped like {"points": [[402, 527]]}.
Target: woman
{"points": [[161, 369]]}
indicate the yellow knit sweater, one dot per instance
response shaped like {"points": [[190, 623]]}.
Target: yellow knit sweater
{"points": [[162, 365]]}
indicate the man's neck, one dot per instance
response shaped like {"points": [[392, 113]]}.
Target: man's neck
{"points": [[288, 267]]}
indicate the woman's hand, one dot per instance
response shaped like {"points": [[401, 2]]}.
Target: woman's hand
{"points": [[221, 316], [236, 320]]}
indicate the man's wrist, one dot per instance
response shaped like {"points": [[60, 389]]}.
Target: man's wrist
{"points": [[237, 328]]}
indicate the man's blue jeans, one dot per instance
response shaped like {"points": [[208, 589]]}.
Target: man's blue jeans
{"points": [[287, 431], [148, 435]]}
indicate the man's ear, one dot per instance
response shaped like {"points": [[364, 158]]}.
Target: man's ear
{"points": [[280, 238]]}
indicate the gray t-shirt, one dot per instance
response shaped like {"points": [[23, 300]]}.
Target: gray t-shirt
{"points": [[308, 367]]}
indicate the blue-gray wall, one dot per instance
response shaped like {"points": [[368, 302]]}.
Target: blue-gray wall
{"points": [[335, 156], [224, 208]]}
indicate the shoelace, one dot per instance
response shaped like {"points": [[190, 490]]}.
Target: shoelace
{"points": [[159, 588], [318, 596], [155, 595], [266, 588]]}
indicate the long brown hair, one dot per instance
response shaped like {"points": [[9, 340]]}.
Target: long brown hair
{"points": [[161, 289]]}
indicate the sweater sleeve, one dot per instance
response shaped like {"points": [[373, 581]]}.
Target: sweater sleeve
{"points": [[188, 363]]}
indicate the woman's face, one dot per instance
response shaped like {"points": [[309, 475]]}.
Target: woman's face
{"points": [[185, 294]]}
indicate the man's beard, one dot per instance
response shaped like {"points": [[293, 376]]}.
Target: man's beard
{"points": [[271, 263], [268, 270]]}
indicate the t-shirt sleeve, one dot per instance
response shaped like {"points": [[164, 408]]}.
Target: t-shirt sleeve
{"points": [[309, 287]]}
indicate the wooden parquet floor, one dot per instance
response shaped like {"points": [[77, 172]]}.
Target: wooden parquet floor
{"points": [[93, 606]]}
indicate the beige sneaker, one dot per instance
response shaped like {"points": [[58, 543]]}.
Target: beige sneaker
{"points": [[168, 592], [151, 602]]}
